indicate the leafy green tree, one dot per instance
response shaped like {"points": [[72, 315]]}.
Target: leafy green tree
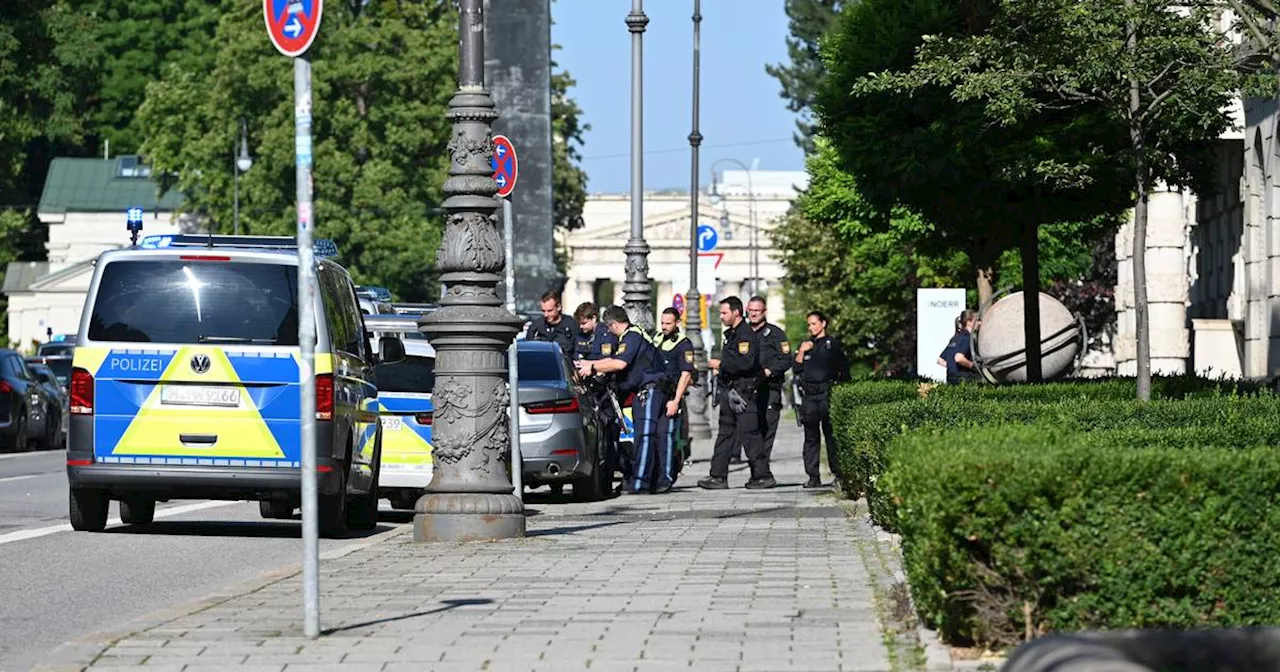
{"points": [[139, 38], [864, 279], [383, 73], [568, 179], [1159, 70], [986, 188], [809, 22]]}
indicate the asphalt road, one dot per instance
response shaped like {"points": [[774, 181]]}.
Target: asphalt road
{"points": [[56, 584]]}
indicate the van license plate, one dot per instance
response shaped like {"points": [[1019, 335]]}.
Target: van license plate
{"points": [[391, 423], [199, 395]]}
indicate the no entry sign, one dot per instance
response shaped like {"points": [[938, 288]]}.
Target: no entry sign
{"points": [[292, 24]]}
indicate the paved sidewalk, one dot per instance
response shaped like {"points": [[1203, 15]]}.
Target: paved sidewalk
{"points": [[724, 580]]}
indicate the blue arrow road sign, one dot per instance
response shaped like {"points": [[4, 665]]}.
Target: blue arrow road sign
{"points": [[707, 238], [293, 28]]}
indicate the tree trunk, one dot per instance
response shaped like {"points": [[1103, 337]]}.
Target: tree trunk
{"points": [[985, 290], [1031, 299], [1136, 137]]}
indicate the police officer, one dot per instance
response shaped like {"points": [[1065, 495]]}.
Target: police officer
{"points": [[739, 371], [956, 355], [552, 326], [637, 364], [820, 361], [775, 359], [676, 349], [594, 340]]}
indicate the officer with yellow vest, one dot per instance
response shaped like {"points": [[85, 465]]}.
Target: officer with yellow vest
{"points": [[677, 352]]}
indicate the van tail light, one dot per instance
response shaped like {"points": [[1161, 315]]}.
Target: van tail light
{"points": [[81, 389], [424, 419], [569, 405], [324, 396]]}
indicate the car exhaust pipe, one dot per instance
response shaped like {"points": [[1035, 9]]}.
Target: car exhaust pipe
{"points": [[553, 469]]}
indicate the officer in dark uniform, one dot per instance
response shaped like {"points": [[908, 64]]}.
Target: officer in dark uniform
{"points": [[593, 340], [637, 364], [675, 348], [775, 359], [552, 326], [820, 362], [741, 424], [956, 355]]}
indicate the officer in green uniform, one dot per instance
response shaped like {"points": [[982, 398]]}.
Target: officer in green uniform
{"points": [[677, 352]]}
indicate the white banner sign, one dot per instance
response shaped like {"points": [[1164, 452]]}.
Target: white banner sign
{"points": [[936, 313]]}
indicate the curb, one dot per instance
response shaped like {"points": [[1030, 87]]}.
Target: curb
{"points": [[81, 652]]}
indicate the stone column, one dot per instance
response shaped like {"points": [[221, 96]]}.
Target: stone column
{"points": [[470, 496], [1171, 215]]}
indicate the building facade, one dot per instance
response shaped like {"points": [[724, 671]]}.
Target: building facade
{"points": [[83, 204], [743, 261]]}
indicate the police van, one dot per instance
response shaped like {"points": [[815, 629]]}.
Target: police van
{"points": [[185, 384]]}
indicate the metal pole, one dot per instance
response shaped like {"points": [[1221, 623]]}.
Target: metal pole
{"points": [[470, 497], [513, 381], [235, 169], [307, 341], [637, 292], [699, 426]]}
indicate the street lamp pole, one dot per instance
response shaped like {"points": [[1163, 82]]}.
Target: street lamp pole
{"points": [[470, 496], [241, 164], [699, 426], [752, 264], [637, 291]]}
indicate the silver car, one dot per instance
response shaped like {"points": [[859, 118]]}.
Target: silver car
{"points": [[560, 439]]}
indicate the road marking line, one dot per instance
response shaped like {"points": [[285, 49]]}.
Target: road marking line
{"points": [[10, 479], [23, 535]]}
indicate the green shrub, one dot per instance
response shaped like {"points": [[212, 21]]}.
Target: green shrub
{"points": [[864, 432], [1100, 530]]}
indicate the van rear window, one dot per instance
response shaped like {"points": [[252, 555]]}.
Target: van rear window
{"points": [[196, 302]]}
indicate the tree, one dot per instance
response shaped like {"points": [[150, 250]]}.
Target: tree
{"points": [[383, 73], [139, 38], [809, 22], [48, 63], [864, 280], [983, 188], [1158, 69], [568, 179]]}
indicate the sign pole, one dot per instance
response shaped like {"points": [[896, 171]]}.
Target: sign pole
{"points": [[513, 382], [307, 339]]}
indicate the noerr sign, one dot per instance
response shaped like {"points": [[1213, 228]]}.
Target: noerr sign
{"points": [[292, 24]]}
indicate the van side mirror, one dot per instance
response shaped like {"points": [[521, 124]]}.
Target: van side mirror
{"points": [[390, 350]]}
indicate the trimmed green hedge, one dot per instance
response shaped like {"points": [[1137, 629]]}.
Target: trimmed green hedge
{"points": [[866, 417], [1040, 526]]}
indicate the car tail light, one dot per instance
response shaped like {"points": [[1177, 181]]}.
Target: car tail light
{"points": [[424, 418], [81, 392], [569, 405], [5, 387], [324, 396]]}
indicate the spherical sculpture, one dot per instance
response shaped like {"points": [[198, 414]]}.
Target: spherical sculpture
{"points": [[1001, 339]]}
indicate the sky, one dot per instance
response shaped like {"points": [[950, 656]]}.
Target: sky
{"points": [[742, 115]]}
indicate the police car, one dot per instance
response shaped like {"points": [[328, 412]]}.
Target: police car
{"points": [[185, 384], [405, 409]]}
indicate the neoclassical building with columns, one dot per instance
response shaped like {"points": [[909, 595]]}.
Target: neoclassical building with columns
{"points": [[742, 263]]}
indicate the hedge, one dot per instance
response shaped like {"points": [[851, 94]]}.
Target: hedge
{"points": [[1042, 528], [863, 430]]}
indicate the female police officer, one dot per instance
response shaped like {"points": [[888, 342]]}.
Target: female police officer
{"points": [[820, 361]]}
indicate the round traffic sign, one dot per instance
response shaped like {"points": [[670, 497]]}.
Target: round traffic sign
{"points": [[708, 237], [506, 168], [292, 25]]}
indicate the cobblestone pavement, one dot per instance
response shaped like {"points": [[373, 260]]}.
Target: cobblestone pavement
{"points": [[707, 580]]}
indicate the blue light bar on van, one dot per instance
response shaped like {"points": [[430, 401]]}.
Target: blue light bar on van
{"points": [[323, 247]]}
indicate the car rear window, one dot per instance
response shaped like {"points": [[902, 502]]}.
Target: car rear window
{"points": [[538, 365], [55, 350], [412, 374], [176, 301]]}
